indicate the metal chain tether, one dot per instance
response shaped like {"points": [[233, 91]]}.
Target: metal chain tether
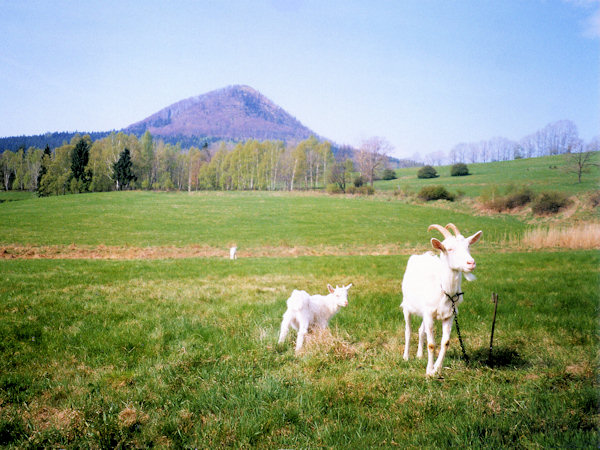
{"points": [[454, 298]]}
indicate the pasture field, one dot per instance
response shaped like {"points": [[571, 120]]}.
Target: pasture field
{"points": [[539, 174], [183, 353], [9, 196], [250, 219]]}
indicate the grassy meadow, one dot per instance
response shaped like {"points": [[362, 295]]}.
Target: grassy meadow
{"points": [[538, 174], [250, 219], [182, 351]]}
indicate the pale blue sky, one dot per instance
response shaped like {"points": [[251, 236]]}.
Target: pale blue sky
{"points": [[423, 74]]}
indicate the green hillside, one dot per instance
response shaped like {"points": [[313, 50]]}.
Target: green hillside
{"points": [[539, 174]]}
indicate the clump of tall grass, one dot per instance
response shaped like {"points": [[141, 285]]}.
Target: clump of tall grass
{"points": [[582, 237], [322, 341]]}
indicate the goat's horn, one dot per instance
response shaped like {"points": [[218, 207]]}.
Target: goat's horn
{"points": [[452, 227], [441, 229]]}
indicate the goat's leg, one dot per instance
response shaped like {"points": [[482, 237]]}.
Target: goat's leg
{"points": [[302, 330], [446, 328], [285, 327], [421, 339], [428, 325], [406, 334]]}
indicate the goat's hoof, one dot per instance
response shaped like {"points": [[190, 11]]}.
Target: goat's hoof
{"points": [[405, 357]]}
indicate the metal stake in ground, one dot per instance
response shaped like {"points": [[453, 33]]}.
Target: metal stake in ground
{"points": [[454, 299], [495, 300]]}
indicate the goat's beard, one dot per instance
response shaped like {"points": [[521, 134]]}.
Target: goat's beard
{"points": [[469, 276]]}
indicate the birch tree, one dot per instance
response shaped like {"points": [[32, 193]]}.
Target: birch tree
{"points": [[372, 156]]}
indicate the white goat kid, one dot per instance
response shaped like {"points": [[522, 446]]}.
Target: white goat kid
{"points": [[233, 253], [431, 285], [305, 310]]}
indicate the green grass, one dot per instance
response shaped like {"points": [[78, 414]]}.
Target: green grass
{"points": [[183, 353], [250, 219], [11, 196], [539, 174]]}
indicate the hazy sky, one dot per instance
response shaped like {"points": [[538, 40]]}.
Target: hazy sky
{"points": [[425, 75]]}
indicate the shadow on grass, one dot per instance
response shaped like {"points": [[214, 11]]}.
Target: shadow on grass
{"points": [[501, 357]]}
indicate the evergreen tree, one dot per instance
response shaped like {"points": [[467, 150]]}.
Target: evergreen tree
{"points": [[79, 159], [46, 159], [122, 172]]}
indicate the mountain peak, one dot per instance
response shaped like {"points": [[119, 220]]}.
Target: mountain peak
{"points": [[235, 112]]}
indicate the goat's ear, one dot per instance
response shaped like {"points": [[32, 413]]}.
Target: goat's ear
{"points": [[438, 245], [330, 288], [475, 237]]}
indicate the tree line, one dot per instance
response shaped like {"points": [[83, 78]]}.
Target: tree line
{"points": [[555, 138], [124, 161]]}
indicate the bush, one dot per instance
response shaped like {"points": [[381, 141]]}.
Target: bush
{"points": [[404, 191], [429, 193], [549, 203], [366, 190], [459, 170], [359, 181], [362, 190], [333, 188], [520, 198], [427, 172], [388, 174], [514, 198], [595, 199]]}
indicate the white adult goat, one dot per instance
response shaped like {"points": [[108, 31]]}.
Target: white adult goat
{"points": [[305, 310], [431, 286]]}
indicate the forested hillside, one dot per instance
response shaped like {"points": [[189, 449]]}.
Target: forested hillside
{"points": [[232, 113], [40, 141]]}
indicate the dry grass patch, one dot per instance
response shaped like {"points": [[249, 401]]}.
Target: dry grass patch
{"points": [[73, 251], [66, 420], [584, 236], [130, 417], [323, 341]]}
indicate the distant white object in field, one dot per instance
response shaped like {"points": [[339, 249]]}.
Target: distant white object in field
{"points": [[233, 253], [431, 285], [305, 310]]}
